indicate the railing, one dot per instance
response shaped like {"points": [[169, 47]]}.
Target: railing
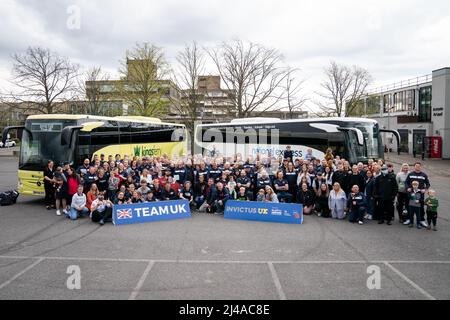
{"points": [[402, 84]]}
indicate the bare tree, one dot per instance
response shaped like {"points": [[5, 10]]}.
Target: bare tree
{"points": [[191, 64], [253, 72], [143, 86], [343, 88], [90, 88], [293, 95], [42, 79]]}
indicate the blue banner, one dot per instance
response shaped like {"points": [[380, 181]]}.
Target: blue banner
{"points": [[150, 211], [264, 211]]}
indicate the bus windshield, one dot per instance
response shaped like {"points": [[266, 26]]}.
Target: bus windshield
{"points": [[41, 141]]}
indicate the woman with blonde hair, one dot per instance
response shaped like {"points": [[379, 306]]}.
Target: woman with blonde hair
{"points": [[271, 196], [337, 202]]}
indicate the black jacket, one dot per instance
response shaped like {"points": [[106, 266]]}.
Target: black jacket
{"points": [[385, 187], [306, 198]]}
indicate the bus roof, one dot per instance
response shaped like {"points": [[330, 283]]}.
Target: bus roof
{"points": [[101, 118], [249, 121]]}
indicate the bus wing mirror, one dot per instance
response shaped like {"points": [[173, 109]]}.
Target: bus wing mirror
{"points": [[397, 136], [5, 133], [359, 134], [67, 134]]}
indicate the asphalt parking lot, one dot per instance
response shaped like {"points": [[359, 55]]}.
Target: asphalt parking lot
{"points": [[208, 257]]}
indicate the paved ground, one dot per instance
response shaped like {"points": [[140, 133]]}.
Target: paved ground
{"points": [[208, 257]]}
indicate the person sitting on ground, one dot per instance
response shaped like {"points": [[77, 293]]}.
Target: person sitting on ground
{"points": [[271, 196], [136, 197], [187, 193], [150, 197], [101, 209], [322, 201], [242, 195], [120, 198], [78, 206], [157, 190], [261, 196], [218, 200], [169, 193], [356, 204], [306, 197]]}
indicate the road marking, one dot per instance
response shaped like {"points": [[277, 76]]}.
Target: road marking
{"points": [[141, 281], [4, 284], [412, 283], [229, 261], [276, 281]]}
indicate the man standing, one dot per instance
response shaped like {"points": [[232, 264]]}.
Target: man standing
{"points": [[424, 185], [287, 154], [385, 190]]}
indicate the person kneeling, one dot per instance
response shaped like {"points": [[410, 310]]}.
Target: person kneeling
{"points": [[356, 205], [101, 210], [306, 197]]}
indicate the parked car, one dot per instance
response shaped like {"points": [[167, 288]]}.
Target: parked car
{"points": [[8, 144]]}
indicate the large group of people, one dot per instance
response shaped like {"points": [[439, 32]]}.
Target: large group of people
{"points": [[329, 187]]}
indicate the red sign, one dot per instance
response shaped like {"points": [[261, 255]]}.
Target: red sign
{"points": [[436, 147]]}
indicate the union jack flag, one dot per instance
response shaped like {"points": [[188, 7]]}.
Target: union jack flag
{"points": [[124, 214]]}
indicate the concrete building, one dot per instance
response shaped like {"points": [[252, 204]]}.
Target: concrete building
{"points": [[417, 108]]}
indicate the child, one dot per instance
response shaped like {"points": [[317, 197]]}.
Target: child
{"points": [[231, 186], [432, 204], [261, 197], [136, 198], [415, 197], [242, 195], [150, 197]]}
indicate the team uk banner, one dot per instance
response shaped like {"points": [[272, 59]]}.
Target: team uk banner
{"points": [[264, 211], [150, 211]]}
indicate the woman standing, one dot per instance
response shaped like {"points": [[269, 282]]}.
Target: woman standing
{"points": [[291, 176], [337, 202], [49, 174], [73, 181], [329, 177]]}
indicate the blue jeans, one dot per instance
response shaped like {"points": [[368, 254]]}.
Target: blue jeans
{"points": [[415, 211], [370, 206], [74, 214], [199, 201], [284, 195]]}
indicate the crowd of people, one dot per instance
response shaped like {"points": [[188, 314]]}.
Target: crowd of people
{"points": [[329, 187]]}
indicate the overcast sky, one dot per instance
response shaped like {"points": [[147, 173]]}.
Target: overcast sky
{"points": [[393, 39]]}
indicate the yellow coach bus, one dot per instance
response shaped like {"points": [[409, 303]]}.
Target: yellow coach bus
{"points": [[73, 138]]}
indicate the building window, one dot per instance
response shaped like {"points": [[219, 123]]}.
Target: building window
{"points": [[425, 104]]}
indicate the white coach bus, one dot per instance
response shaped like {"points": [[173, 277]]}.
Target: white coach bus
{"points": [[355, 139]]}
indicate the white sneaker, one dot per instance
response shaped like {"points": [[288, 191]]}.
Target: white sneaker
{"points": [[65, 211], [369, 217], [407, 222], [360, 222], [58, 213], [423, 223]]}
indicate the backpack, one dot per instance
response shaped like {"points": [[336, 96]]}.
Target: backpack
{"points": [[8, 198]]}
